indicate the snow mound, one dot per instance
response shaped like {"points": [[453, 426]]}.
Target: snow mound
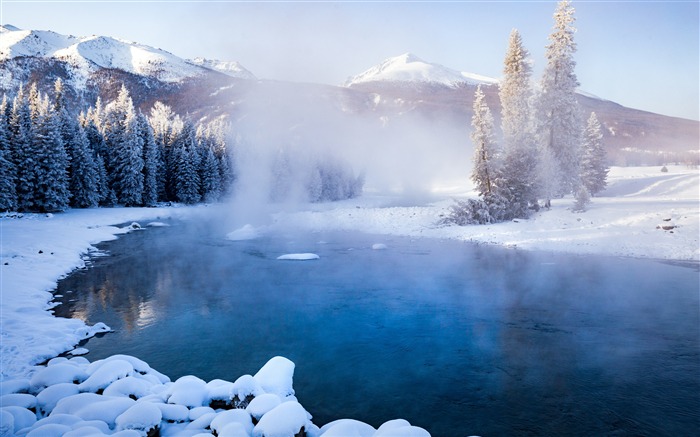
{"points": [[189, 391], [247, 232], [236, 416], [285, 420], [299, 256], [143, 417], [276, 377], [379, 246], [262, 404], [408, 68], [347, 428]]}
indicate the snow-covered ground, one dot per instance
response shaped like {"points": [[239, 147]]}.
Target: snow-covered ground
{"points": [[628, 219]]}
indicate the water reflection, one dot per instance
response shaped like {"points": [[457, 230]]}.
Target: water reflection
{"points": [[455, 338]]}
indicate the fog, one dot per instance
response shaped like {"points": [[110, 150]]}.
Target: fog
{"points": [[282, 134]]}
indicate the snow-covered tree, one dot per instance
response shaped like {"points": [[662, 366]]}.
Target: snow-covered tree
{"points": [[558, 118], [51, 186], [185, 165], [82, 171], [125, 150], [485, 148], [22, 150], [520, 163], [151, 161], [594, 169], [8, 171]]}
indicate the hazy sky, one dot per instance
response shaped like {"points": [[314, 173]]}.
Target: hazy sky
{"points": [[642, 54]]}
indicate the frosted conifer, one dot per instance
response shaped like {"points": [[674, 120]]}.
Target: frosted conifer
{"points": [[485, 152], [594, 170], [558, 117], [8, 170]]}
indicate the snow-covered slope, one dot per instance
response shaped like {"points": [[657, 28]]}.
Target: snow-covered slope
{"points": [[409, 68], [230, 68], [88, 54]]}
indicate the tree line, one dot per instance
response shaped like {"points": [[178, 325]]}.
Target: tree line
{"points": [[111, 154], [545, 149]]}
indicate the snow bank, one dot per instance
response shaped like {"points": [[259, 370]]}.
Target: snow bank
{"points": [[299, 256], [247, 232], [133, 406]]}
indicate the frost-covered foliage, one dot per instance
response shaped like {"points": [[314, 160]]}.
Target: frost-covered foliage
{"points": [[112, 154], [594, 168], [582, 197], [122, 395], [485, 147], [558, 118]]}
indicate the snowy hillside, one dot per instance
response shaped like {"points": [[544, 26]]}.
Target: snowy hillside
{"points": [[88, 54], [409, 68], [230, 68]]}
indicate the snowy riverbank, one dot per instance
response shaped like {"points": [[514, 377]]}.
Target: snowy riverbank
{"points": [[36, 250]]}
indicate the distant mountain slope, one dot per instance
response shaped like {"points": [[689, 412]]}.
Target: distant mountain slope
{"points": [[86, 55], [401, 89], [408, 68]]}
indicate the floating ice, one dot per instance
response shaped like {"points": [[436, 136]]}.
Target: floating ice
{"points": [[247, 232], [379, 246], [299, 256]]}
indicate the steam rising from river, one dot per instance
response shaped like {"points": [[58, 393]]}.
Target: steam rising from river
{"points": [[304, 126]]}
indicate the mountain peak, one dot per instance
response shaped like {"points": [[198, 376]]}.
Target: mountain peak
{"points": [[409, 68]]}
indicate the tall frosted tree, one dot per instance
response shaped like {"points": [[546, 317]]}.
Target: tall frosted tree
{"points": [[22, 149], [485, 149], [594, 169], [185, 159], [151, 165], [125, 150], [520, 162], [82, 171], [51, 188], [558, 117], [8, 171]]}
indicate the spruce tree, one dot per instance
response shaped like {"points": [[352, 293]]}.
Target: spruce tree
{"points": [[520, 162], [558, 115], [22, 150], [594, 169], [51, 192], [151, 163], [125, 150], [485, 150], [8, 170], [82, 171], [185, 160]]}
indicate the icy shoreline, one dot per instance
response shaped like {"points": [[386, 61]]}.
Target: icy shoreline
{"points": [[37, 250]]}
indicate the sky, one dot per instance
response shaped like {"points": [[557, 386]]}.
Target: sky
{"points": [[641, 54]]}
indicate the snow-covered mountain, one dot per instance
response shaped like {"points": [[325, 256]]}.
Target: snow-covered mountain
{"points": [[410, 69], [85, 55], [229, 68]]}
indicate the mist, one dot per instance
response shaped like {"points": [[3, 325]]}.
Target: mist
{"points": [[282, 134]]}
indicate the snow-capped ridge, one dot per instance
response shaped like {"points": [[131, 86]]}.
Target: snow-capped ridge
{"points": [[90, 53], [409, 68], [229, 68]]}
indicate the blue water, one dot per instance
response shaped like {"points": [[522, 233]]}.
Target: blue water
{"points": [[457, 338]]}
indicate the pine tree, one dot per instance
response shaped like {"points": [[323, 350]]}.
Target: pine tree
{"points": [[125, 150], [22, 150], [485, 149], [558, 113], [8, 170], [594, 170], [150, 161], [520, 162], [82, 171], [185, 160], [51, 191], [209, 176]]}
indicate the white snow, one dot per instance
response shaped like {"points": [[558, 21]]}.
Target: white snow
{"points": [[379, 246], [262, 404], [247, 232], [347, 428], [285, 420], [86, 54], [38, 249], [408, 68], [276, 377], [298, 256], [142, 417]]}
